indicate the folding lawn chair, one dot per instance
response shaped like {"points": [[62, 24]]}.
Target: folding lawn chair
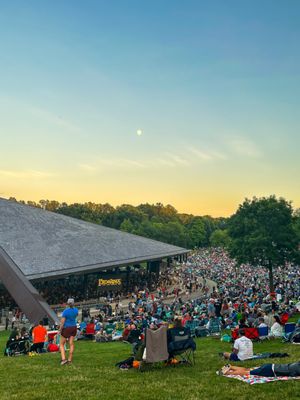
{"points": [[252, 333], [214, 327], [181, 346], [156, 348], [192, 325], [109, 328], [263, 332], [289, 327]]}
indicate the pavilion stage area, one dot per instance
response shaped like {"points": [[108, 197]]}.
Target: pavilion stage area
{"points": [[36, 244]]}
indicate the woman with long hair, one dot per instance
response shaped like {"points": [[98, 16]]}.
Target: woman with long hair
{"points": [[276, 328]]}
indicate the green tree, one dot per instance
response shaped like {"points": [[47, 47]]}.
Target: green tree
{"points": [[262, 234], [52, 205], [127, 211], [297, 224], [127, 226], [210, 225], [174, 233], [196, 232], [219, 238]]}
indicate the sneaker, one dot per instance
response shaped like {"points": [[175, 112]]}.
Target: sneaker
{"points": [[221, 355], [64, 362]]}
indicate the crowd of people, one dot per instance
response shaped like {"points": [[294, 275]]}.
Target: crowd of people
{"points": [[206, 288]]}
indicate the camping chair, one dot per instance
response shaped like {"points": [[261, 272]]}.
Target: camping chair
{"points": [[263, 332], [201, 331], [252, 333], [192, 325], [156, 348], [181, 346], [289, 327], [109, 328], [214, 327]]}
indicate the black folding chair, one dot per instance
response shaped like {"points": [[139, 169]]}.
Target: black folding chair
{"points": [[181, 346]]}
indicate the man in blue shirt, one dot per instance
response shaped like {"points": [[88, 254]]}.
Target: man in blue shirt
{"points": [[68, 330]]}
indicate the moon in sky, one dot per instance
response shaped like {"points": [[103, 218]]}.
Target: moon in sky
{"points": [[139, 132]]}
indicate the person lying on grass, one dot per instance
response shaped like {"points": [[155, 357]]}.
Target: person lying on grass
{"points": [[266, 370]]}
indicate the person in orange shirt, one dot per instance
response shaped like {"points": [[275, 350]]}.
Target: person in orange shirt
{"points": [[39, 335]]}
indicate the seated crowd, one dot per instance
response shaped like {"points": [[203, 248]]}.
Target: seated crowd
{"points": [[239, 302]]}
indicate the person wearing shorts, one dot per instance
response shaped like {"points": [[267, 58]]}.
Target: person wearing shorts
{"points": [[68, 330]]}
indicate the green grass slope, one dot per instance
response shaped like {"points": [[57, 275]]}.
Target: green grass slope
{"points": [[93, 376]]}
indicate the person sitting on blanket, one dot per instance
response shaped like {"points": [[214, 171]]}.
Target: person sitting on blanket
{"points": [[242, 348], [266, 370]]}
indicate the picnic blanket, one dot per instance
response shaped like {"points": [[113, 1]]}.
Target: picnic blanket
{"points": [[253, 379]]}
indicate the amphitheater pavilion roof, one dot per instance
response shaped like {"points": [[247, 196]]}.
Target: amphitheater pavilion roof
{"points": [[45, 244]]}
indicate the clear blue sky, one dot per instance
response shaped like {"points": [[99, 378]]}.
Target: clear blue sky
{"points": [[213, 86]]}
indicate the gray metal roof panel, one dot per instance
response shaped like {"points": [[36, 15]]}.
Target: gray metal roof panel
{"points": [[44, 243]]}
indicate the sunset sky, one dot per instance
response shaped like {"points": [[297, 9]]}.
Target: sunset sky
{"points": [[192, 103]]}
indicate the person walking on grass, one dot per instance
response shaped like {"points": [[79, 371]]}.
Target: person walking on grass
{"points": [[68, 330]]}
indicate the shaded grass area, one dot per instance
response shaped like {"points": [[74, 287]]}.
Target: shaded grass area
{"points": [[93, 375]]}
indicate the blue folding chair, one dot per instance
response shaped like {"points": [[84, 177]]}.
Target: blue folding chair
{"points": [[263, 332], [289, 327]]}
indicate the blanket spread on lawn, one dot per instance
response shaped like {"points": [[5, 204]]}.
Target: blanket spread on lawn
{"points": [[252, 379]]}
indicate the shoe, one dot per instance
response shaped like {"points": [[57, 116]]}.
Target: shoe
{"points": [[221, 355], [64, 362]]}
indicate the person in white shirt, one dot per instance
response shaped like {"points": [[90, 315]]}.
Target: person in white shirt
{"points": [[276, 329], [242, 348]]}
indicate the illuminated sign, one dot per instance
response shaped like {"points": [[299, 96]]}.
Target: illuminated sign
{"points": [[110, 282]]}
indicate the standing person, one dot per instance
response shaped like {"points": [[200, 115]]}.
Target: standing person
{"points": [[68, 330]]}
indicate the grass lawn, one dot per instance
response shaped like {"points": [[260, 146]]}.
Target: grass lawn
{"points": [[93, 375]]}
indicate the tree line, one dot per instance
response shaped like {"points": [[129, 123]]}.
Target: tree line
{"points": [[154, 221], [262, 232]]}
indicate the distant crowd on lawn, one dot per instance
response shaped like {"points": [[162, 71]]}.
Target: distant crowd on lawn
{"points": [[240, 298]]}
